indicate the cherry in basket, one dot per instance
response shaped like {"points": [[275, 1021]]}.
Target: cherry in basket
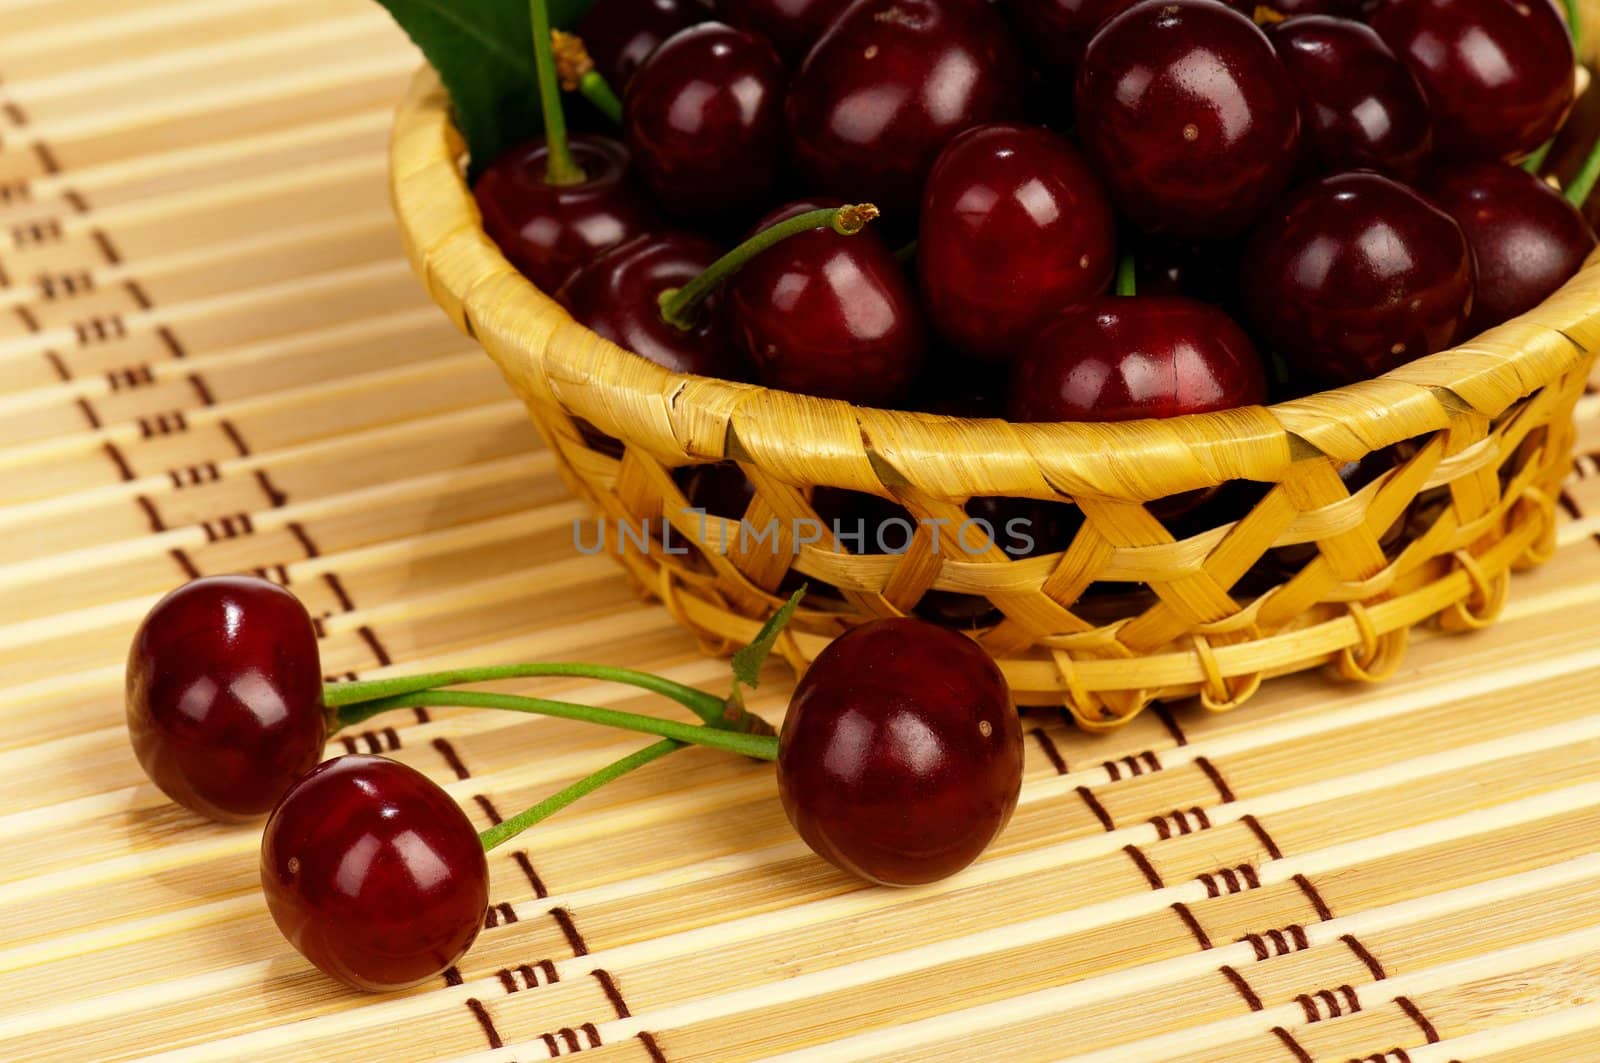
{"points": [[621, 34]]}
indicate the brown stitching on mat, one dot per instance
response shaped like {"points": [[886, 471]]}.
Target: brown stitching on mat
{"points": [[1366, 957], [75, 200], [448, 752], [591, 1033], [123, 468], [193, 475], [1096, 807], [298, 530], [190, 569], [370, 637], [1179, 820], [59, 365], [1050, 751], [276, 573], [498, 914], [563, 919], [613, 994], [165, 335], [88, 413], [1143, 864], [1323, 911], [337, 587], [235, 526], [1270, 943], [1242, 986], [202, 391], [1137, 764], [234, 437], [276, 497], [1170, 722], [157, 525], [488, 809], [649, 1042], [101, 328], [481, 1013], [1292, 1045], [533, 876], [163, 424], [26, 317], [1215, 776], [1416, 1016], [136, 290], [1229, 880], [107, 248], [64, 285], [452, 976], [1262, 836], [550, 1045], [47, 158], [37, 233], [1193, 924]]}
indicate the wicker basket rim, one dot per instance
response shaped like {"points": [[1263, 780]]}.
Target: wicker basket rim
{"points": [[1486, 374]]}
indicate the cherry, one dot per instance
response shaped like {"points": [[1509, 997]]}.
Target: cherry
{"points": [[548, 230], [827, 314], [622, 34], [224, 695], [1203, 270], [1188, 116], [1347, 9], [1121, 358], [1526, 238], [1059, 30], [900, 759], [1014, 226], [1362, 107], [704, 121], [792, 26], [888, 84], [374, 873], [617, 295], [1499, 73], [1356, 274]]}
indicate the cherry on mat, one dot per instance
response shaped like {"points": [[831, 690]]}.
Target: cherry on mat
{"points": [[224, 696], [374, 873]]}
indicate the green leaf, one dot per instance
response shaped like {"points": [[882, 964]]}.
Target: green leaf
{"points": [[748, 661], [483, 51]]}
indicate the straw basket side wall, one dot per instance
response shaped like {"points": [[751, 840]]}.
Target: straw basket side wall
{"points": [[1284, 568]]}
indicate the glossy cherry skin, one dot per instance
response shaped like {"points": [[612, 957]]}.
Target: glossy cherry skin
{"points": [[548, 231], [793, 26], [1014, 226], [1188, 116], [1361, 106], [1123, 358], [374, 873], [704, 120], [828, 315], [888, 85], [1059, 30], [1498, 73], [1526, 238], [224, 696], [617, 295], [621, 34], [1356, 274], [900, 759]]}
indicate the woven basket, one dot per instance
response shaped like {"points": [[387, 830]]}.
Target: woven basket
{"points": [[1483, 433]]}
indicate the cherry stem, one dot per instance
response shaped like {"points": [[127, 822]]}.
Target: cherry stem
{"points": [[560, 169], [1575, 20], [575, 70], [1534, 163], [1582, 185], [504, 832], [758, 747], [1127, 275], [680, 307], [708, 707]]}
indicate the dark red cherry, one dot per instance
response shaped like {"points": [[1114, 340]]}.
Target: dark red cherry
{"points": [[224, 695], [622, 34], [900, 759], [1361, 106], [374, 873], [1498, 73], [888, 85], [704, 120], [617, 295], [1014, 226], [828, 315], [1526, 238], [1188, 116], [1059, 30], [548, 231], [792, 26], [1123, 358], [1199, 269], [1349, 9], [1356, 274]]}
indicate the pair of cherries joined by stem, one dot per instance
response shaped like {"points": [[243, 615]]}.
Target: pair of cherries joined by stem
{"points": [[899, 761]]}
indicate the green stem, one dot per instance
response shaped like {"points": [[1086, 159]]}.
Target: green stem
{"points": [[708, 707], [597, 90], [504, 832], [1535, 163], [1583, 184], [906, 253], [1575, 20], [560, 169], [680, 307], [1127, 275], [759, 747]]}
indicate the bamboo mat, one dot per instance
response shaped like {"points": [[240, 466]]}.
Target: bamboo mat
{"points": [[213, 358]]}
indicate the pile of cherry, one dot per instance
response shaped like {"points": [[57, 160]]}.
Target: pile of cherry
{"points": [[900, 761], [1336, 190]]}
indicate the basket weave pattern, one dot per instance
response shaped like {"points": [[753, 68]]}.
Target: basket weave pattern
{"points": [[1485, 432]]}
